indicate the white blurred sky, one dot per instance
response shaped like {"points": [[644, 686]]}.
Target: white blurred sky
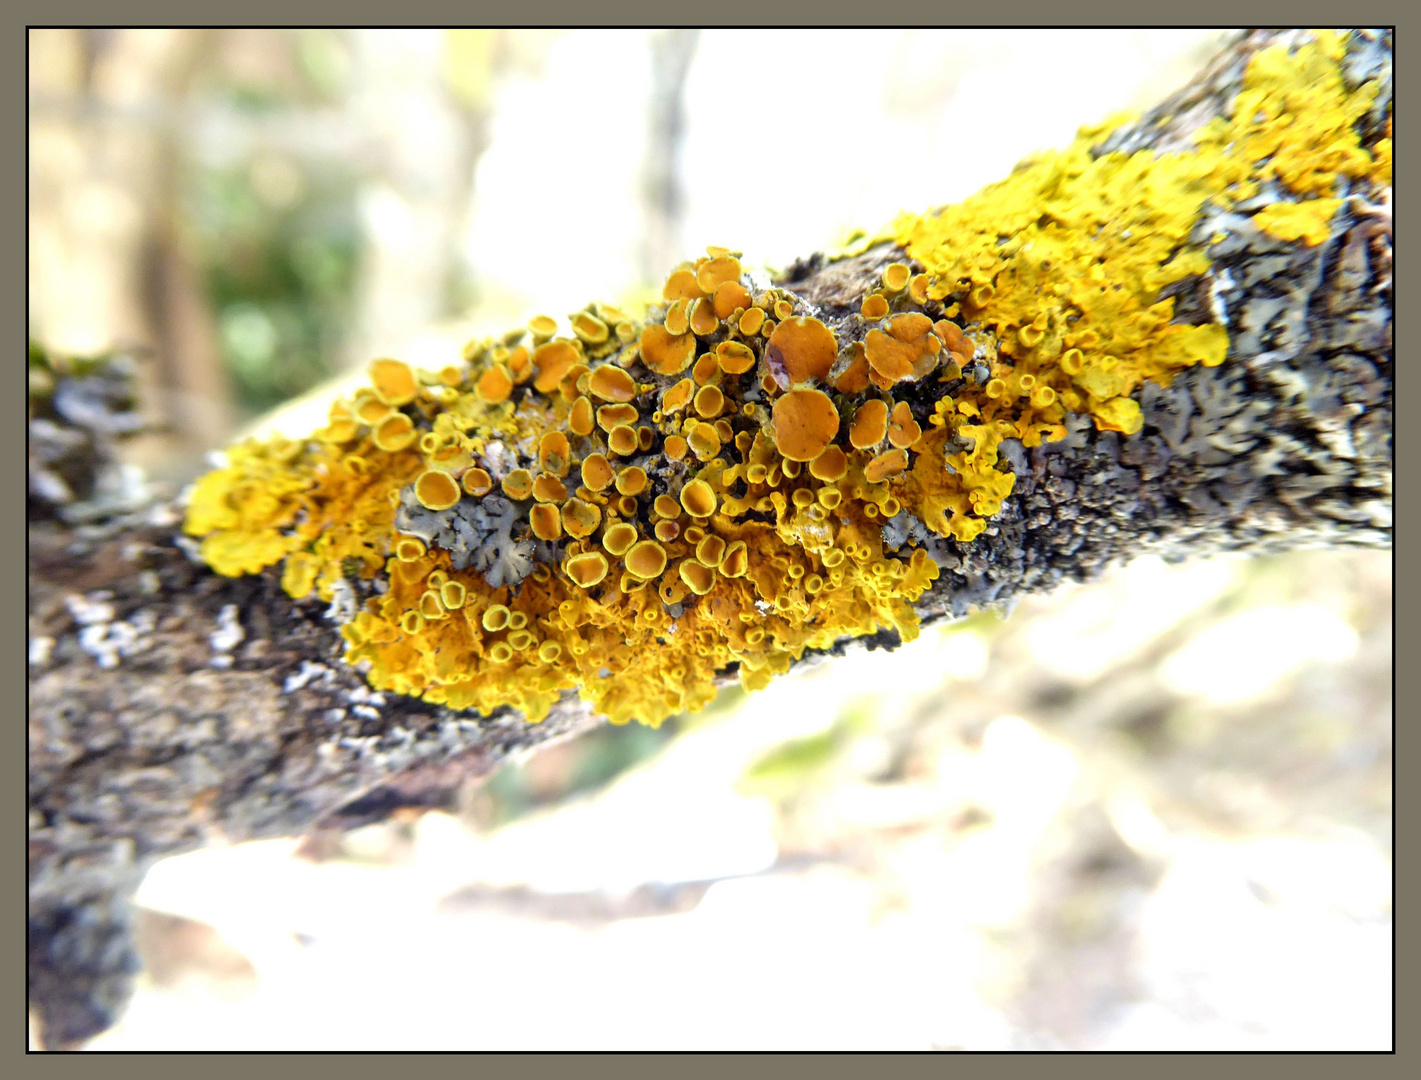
{"points": [[791, 138]]}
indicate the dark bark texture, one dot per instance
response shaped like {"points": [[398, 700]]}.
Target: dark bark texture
{"points": [[170, 708]]}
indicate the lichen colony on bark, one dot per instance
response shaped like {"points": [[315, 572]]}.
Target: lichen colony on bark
{"points": [[1172, 337]]}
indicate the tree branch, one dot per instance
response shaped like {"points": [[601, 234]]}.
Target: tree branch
{"points": [[170, 707]]}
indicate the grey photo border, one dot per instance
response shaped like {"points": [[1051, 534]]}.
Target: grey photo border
{"points": [[623, 13]]}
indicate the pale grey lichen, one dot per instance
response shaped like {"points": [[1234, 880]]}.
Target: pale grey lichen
{"points": [[477, 533]]}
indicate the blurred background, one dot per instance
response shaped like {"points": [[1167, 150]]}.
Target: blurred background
{"points": [[1151, 812]]}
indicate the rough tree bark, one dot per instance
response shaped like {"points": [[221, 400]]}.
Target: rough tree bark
{"points": [[170, 708]]}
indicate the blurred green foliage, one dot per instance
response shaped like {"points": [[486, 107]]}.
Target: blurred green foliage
{"points": [[277, 234], [278, 244]]}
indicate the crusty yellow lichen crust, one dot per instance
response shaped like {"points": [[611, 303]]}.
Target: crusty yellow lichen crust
{"points": [[630, 507]]}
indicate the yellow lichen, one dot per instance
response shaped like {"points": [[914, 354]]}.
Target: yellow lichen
{"points": [[1305, 221], [1064, 263], [686, 498]]}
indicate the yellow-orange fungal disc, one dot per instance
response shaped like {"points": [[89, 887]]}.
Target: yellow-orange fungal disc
{"points": [[751, 321], [703, 441], [452, 595], [394, 381], [579, 417], [494, 385], [889, 358], [953, 339], [610, 315], [611, 383], [611, 416], [705, 370], [665, 506], [698, 577], [801, 498], [542, 327], [730, 295], [500, 652], [783, 309], [436, 490], [830, 466], [675, 447], [895, 276], [1043, 397], [736, 560], [667, 531], [698, 498], [830, 498], [409, 549], [631, 480], [678, 318], [870, 425], [554, 453], [666, 353], [449, 375], [546, 521], [520, 365], [918, 289], [552, 360], [805, 423], [709, 402], [549, 489], [734, 357], [874, 306], [854, 378], [394, 433], [646, 559], [681, 285], [678, 396], [370, 409], [619, 538], [580, 519], [339, 432], [885, 465], [703, 317], [903, 430], [573, 383], [477, 481], [518, 484], [622, 440], [549, 652], [494, 618], [710, 549], [590, 328], [597, 472], [800, 349], [715, 273], [587, 569]]}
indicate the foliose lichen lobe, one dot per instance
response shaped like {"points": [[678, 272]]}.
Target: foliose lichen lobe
{"points": [[631, 508]]}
